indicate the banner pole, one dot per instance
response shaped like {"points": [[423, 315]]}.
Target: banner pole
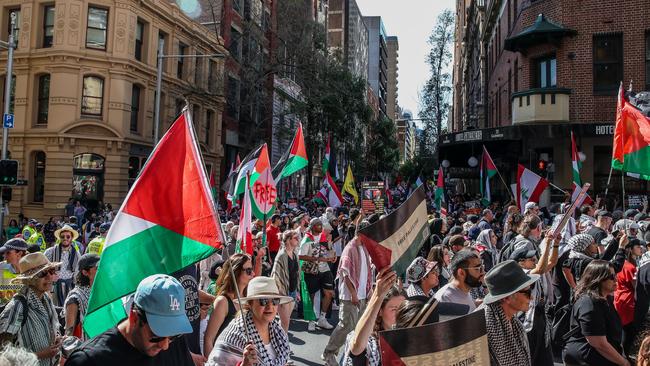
{"points": [[608, 180], [623, 188], [506, 185]]}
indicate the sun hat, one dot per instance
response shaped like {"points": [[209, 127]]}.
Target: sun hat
{"points": [[162, 298], [505, 279], [262, 287], [68, 228], [419, 268], [32, 265]]}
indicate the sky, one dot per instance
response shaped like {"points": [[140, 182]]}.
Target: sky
{"points": [[411, 21]]}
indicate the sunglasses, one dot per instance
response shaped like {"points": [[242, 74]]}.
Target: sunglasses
{"points": [[249, 271], [160, 339], [66, 236], [528, 292], [49, 272], [264, 302]]}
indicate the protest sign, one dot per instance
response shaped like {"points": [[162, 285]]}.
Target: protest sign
{"points": [[373, 197]]}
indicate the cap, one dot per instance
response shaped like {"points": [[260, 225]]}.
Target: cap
{"points": [[633, 242], [315, 221], [162, 298], [32, 221], [603, 213], [522, 253], [15, 244], [530, 205], [631, 213], [104, 227], [641, 216], [88, 261], [38, 226], [419, 268]]}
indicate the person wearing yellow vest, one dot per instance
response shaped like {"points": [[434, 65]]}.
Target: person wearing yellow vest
{"points": [[38, 238], [29, 229], [96, 246], [13, 250]]}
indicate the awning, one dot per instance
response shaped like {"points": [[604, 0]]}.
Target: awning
{"points": [[542, 31]]}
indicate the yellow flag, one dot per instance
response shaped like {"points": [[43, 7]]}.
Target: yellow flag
{"points": [[348, 186]]}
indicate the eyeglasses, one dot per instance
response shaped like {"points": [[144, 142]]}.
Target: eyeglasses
{"points": [[248, 271], [264, 302], [480, 268], [66, 236], [528, 292], [160, 339], [49, 272]]}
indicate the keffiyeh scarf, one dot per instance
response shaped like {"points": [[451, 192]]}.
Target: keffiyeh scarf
{"points": [[372, 351], [229, 347], [78, 295], [506, 338], [645, 259], [415, 290], [577, 245]]}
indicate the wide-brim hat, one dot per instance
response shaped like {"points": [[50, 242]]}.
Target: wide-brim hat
{"points": [[68, 228], [32, 265], [505, 279], [262, 287], [418, 269]]}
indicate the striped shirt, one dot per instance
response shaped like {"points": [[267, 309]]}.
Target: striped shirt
{"points": [[40, 329]]}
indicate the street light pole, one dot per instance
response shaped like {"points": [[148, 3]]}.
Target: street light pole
{"points": [[8, 79]]}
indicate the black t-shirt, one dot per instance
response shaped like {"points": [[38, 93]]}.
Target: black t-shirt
{"points": [[598, 234], [188, 278], [561, 287], [577, 266], [111, 348], [642, 293], [293, 272], [595, 318]]}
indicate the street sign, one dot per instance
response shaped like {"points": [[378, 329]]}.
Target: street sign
{"points": [[8, 120]]}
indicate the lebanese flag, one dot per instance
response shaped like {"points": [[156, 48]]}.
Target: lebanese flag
{"points": [[576, 165], [244, 234], [294, 159], [167, 222], [631, 151], [329, 193], [529, 187]]}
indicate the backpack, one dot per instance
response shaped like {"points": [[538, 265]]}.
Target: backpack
{"points": [[507, 250], [561, 329]]}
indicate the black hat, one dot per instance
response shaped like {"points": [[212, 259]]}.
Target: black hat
{"points": [[88, 261], [641, 216], [505, 279], [522, 253], [33, 248], [603, 213], [631, 213]]}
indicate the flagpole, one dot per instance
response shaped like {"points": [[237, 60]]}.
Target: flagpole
{"points": [[556, 187], [512, 196], [623, 187], [608, 180], [241, 307]]}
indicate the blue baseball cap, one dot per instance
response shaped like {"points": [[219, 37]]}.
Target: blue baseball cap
{"points": [[162, 298]]}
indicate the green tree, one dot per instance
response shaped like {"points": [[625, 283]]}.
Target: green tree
{"points": [[383, 150]]}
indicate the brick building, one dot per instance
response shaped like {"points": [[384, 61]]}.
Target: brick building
{"points": [[546, 68]]}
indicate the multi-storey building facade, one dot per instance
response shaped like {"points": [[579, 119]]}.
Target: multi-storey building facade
{"points": [[546, 69], [347, 36], [83, 98], [392, 44], [377, 60]]}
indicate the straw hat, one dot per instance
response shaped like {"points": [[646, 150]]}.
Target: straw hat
{"points": [[262, 287], [69, 229], [32, 265]]}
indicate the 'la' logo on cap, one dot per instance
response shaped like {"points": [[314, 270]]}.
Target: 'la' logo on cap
{"points": [[173, 303]]}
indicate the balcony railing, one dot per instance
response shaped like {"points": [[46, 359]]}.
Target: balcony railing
{"points": [[540, 105]]}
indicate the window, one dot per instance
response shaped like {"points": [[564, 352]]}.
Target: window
{"points": [[48, 26], [196, 116], [12, 95], [208, 126], [198, 70], [97, 26], [232, 98], [647, 60], [39, 176], [235, 44], [139, 37], [162, 36], [135, 108], [545, 73], [43, 99], [212, 78], [608, 63], [93, 96], [16, 26], [182, 48]]}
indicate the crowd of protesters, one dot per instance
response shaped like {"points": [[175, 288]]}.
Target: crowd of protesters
{"points": [[580, 297]]}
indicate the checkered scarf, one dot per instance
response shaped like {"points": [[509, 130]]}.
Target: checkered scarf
{"points": [[234, 340], [645, 259], [506, 338], [372, 351], [577, 245]]}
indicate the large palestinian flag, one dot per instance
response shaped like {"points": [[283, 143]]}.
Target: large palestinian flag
{"points": [[262, 191], [631, 151], [294, 159], [396, 239], [460, 341], [488, 170], [167, 222]]}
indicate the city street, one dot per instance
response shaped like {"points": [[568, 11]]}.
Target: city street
{"points": [[308, 346]]}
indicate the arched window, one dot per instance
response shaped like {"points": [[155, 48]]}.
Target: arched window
{"points": [[92, 98], [38, 169]]}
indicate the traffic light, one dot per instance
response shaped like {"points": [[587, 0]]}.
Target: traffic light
{"points": [[541, 165], [6, 194], [8, 172]]}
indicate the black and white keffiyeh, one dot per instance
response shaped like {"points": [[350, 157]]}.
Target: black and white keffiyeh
{"points": [[415, 290], [229, 347], [578, 244], [506, 338], [372, 351], [80, 296]]}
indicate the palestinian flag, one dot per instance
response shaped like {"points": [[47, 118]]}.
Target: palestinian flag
{"points": [[576, 165], [631, 151], [294, 159], [488, 170], [213, 185], [529, 187], [236, 184], [459, 341], [244, 234], [440, 190], [326, 158], [263, 192], [167, 222], [307, 305], [396, 239], [329, 193]]}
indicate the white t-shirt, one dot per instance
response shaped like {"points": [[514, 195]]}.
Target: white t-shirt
{"points": [[270, 351], [363, 274], [450, 293], [306, 249]]}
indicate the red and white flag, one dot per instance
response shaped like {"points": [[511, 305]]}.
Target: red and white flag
{"points": [[244, 234], [529, 187]]}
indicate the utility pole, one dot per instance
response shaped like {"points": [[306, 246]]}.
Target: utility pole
{"points": [[8, 79]]}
